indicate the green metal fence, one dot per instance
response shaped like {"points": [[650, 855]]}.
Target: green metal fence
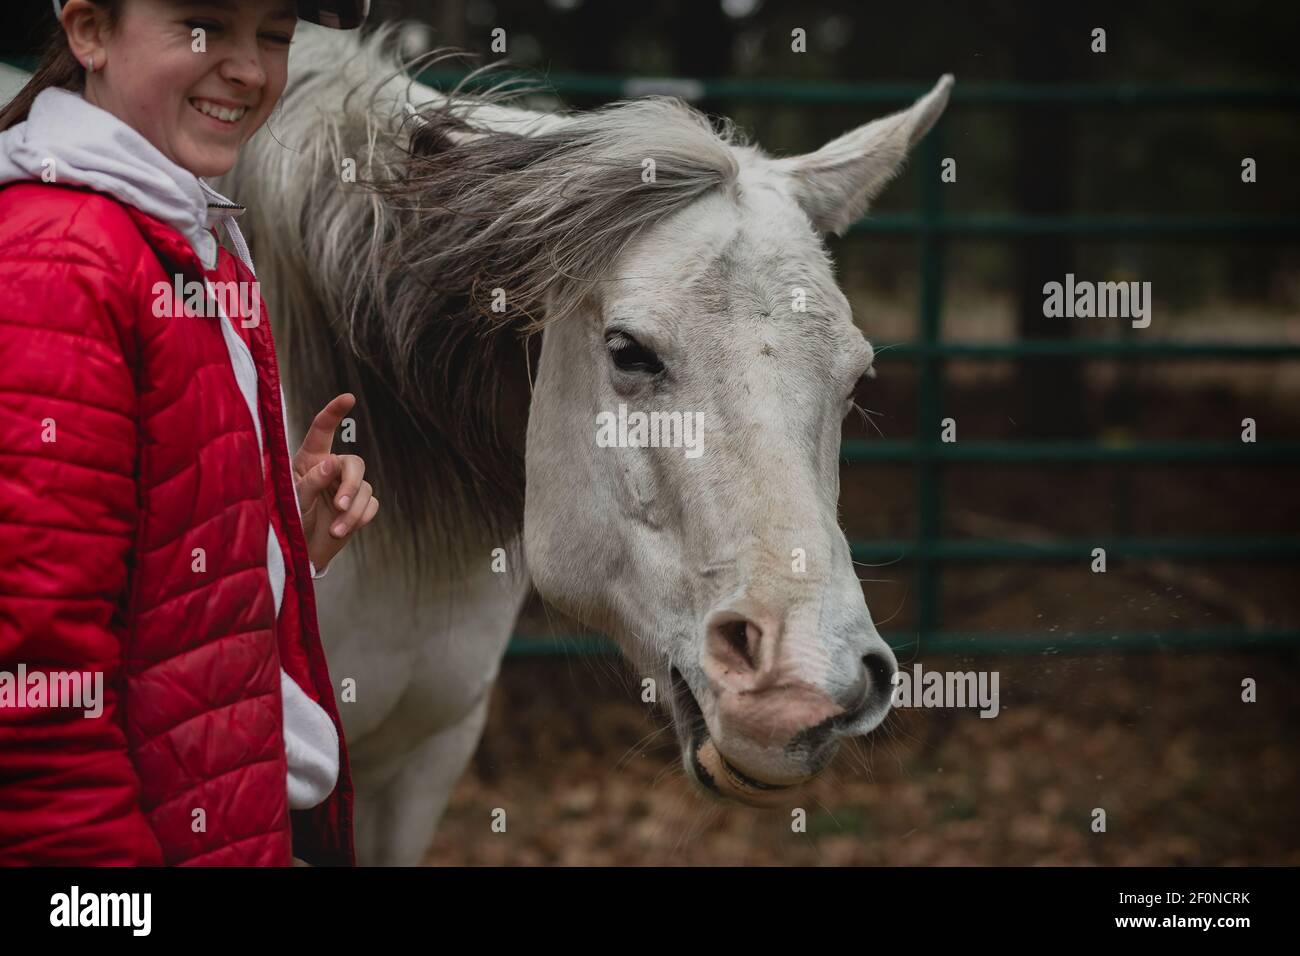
{"points": [[933, 228]]}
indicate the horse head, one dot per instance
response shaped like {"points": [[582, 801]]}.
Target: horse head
{"points": [[683, 443]]}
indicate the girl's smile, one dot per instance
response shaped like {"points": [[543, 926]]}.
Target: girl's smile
{"points": [[225, 113]]}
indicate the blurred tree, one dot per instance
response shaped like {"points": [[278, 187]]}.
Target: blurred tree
{"points": [[1043, 50], [26, 27], [702, 40]]}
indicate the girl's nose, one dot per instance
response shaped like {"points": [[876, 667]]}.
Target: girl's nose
{"points": [[243, 68]]}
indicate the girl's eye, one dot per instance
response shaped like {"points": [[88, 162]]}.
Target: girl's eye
{"points": [[629, 355], [207, 26], [279, 39]]}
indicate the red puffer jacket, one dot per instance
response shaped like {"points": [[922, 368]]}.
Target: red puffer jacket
{"points": [[125, 448]]}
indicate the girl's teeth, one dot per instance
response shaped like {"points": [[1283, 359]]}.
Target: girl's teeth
{"points": [[220, 112]]}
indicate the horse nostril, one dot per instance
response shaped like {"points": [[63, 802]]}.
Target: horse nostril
{"points": [[734, 641], [874, 684], [881, 669]]}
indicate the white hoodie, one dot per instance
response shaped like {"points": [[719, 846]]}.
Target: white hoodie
{"points": [[91, 147]]}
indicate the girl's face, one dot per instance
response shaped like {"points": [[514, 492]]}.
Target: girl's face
{"points": [[196, 79]]}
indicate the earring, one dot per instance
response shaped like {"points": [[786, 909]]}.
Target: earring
{"points": [[90, 64]]}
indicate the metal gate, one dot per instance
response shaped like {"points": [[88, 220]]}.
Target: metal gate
{"points": [[928, 550]]}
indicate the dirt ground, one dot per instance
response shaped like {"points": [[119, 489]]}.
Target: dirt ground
{"points": [[1185, 771]]}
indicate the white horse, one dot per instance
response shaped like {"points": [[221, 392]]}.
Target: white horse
{"points": [[669, 268]]}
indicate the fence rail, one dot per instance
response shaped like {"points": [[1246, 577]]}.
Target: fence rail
{"points": [[933, 228], [995, 95]]}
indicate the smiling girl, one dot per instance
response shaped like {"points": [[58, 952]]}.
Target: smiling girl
{"points": [[153, 527]]}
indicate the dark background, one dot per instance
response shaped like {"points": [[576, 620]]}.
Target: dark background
{"points": [[1187, 773]]}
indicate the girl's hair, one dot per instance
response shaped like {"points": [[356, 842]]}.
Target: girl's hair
{"points": [[57, 67]]}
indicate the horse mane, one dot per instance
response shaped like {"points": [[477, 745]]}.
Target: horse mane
{"points": [[418, 286]]}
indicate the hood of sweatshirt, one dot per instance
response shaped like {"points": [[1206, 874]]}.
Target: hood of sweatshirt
{"points": [[67, 140]]}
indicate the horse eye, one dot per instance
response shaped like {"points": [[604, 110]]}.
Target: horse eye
{"points": [[629, 355], [862, 380]]}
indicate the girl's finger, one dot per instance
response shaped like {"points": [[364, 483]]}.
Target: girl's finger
{"points": [[354, 469], [320, 436], [318, 479], [346, 523], [371, 510]]}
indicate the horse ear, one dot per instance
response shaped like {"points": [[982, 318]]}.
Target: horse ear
{"points": [[836, 184]]}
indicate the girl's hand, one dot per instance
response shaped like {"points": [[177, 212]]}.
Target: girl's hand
{"points": [[335, 501]]}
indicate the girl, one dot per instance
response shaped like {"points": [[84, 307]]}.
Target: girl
{"points": [[164, 698]]}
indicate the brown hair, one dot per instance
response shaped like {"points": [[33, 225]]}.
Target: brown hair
{"points": [[57, 67]]}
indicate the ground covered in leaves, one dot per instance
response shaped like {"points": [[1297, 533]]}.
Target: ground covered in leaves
{"points": [[1186, 772]]}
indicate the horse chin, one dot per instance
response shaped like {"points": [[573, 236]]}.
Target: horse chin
{"points": [[723, 779], [709, 768]]}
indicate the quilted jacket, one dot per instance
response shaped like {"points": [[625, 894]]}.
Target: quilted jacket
{"points": [[137, 487]]}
